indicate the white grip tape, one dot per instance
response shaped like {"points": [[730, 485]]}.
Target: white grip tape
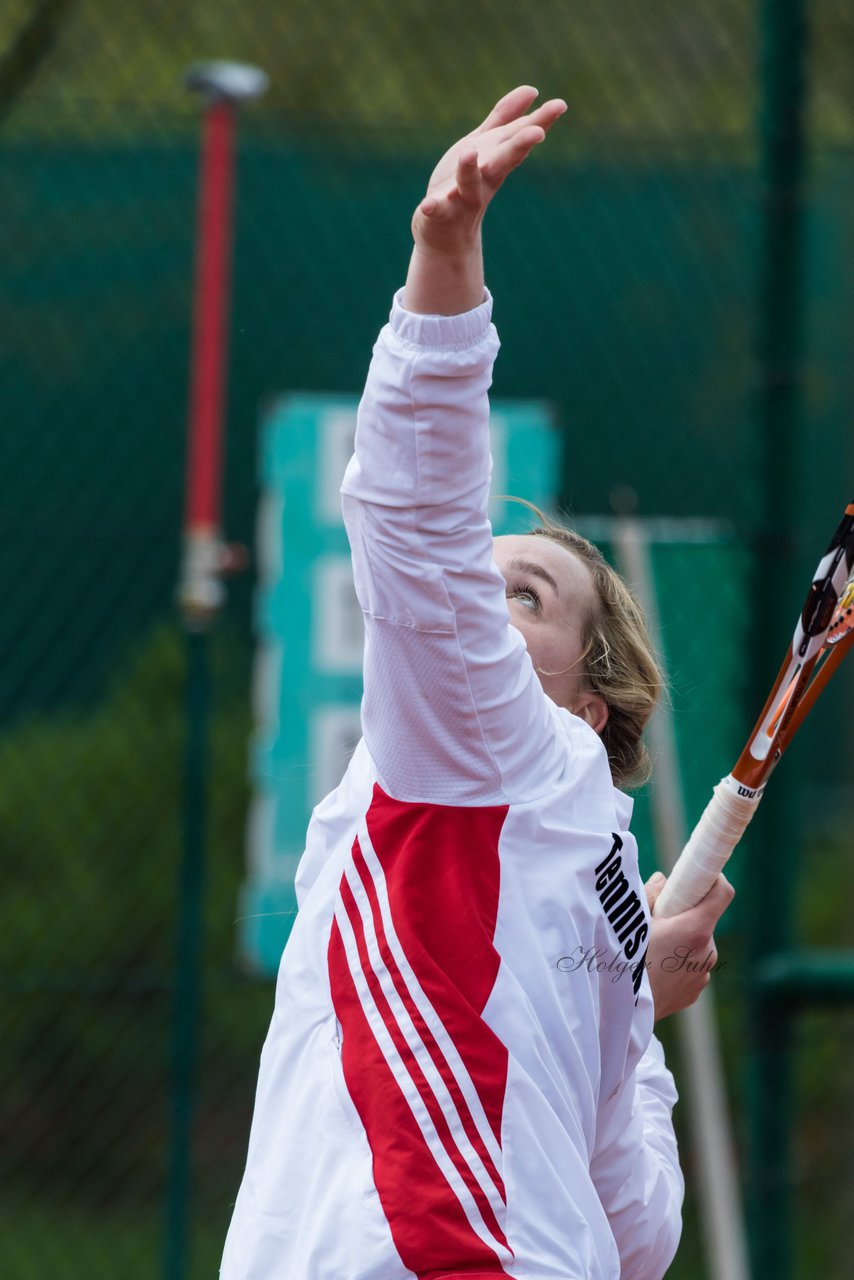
{"points": [[712, 841]]}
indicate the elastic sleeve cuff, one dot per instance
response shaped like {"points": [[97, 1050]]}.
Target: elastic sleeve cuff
{"points": [[441, 333]]}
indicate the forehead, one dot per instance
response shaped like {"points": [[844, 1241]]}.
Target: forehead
{"points": [[571, 574]]}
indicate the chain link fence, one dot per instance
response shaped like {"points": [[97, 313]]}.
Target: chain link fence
{"points": [[624, 269]]}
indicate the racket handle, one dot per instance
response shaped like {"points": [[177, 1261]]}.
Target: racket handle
{"points": [[712, 841]]}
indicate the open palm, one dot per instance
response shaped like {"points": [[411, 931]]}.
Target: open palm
{"points": [[469, 174]]}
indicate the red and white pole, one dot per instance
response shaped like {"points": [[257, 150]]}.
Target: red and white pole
{"points": [[205, 557]]}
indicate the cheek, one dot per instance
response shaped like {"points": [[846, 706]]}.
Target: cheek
{"points": [[549, 651], [524, 625]]}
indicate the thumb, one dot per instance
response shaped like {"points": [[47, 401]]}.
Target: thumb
{"points": [[653, 887]]}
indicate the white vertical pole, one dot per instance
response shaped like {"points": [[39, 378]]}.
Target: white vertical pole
{"points": [[720, 1204]]}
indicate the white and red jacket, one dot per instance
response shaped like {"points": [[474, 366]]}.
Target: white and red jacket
{"points": [[460, 1076]]}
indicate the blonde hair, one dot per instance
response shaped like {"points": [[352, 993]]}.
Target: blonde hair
{"points": [[619, 659]]}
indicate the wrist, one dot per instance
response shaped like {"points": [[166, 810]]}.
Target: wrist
{"points": [[445, 281], [456, 245]]}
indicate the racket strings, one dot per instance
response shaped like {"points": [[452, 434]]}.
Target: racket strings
{"points": [[829, 664], [841, 625], [843, 618]]}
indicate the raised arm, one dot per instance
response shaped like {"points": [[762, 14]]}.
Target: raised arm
{"points": [[452, 705], [446, 270]]}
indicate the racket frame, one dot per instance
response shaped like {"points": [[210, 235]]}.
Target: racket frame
{"points": [[735, 799]]}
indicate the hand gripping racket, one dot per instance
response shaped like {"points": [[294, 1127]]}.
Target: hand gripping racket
{"points": [[824, 634]]}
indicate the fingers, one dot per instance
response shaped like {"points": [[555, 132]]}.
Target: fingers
{"points": [[474, 173], [516, 139], [653, 887], [711, 908], [707, 912], [467, 189], [467, 177], [469, 180], [546, 115], [508, 108], [510, 153], [509, 113]]}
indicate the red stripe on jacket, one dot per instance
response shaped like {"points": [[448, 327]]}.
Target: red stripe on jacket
{"points": [[441, 871]]}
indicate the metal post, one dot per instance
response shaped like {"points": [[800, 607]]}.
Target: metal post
{"points": [[205, 558], [188, 977], [770, 872]]}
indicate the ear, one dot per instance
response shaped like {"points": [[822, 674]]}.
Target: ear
{"points": [[592, 708]]}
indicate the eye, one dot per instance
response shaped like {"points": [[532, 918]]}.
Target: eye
{"points": [[526, 595]]}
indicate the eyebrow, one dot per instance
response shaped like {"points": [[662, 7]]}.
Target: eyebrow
{"points": [[537, 570]]}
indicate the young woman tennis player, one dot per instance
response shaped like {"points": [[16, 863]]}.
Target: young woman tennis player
{"points": [[460, 1078]]}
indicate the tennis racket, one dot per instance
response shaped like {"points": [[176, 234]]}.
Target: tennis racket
{"points": [[824, 634]]}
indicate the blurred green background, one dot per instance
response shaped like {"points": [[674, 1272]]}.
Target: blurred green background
{"points": [[625, 265]]}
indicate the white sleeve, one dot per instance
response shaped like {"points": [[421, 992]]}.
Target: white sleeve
{"points": [[635, 1169], [453, 712]]}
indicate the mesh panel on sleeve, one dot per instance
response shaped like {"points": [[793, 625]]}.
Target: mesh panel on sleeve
{"points": [[420, 753]]}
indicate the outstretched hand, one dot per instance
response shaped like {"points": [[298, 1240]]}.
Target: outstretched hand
{"points": [[682, 951], [446, 272], [469, 174]]}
